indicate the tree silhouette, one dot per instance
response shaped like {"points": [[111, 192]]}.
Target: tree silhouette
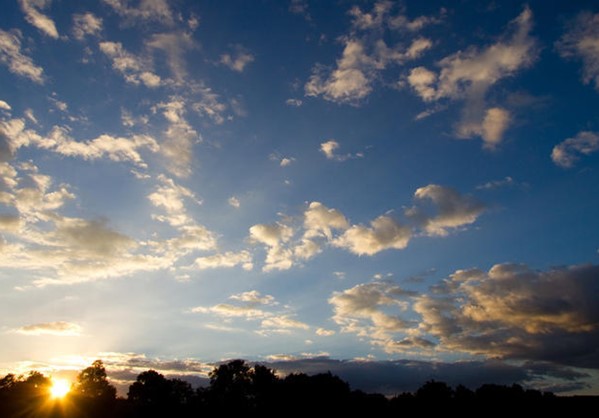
{"points": [[92, 382]]}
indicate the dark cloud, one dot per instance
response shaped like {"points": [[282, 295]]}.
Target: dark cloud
{"points": [[514, 312]]}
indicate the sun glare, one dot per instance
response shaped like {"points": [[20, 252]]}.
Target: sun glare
{"points": [[59, 388]]}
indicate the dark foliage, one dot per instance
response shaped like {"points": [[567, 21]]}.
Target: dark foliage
{"points": [[238, 387]]}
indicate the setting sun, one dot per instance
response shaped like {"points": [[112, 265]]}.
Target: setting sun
{"points": [[59, 388]]}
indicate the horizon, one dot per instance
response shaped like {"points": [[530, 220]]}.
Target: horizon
{"points": [[394, 190]]}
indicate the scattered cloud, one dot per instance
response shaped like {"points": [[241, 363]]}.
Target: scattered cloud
{"points": [[117, 149], [321, 221], [294, 102], [329, 149], [4, 105], [233, 201], [453, 210], [225, 260], [497, 184], [59, 328], [146, 11], [325, 332], [252, 306], [567, 153], [364, 310], [237, 60], [18, 63], [581, 41], [180, 137], [173, 45], [384, 233], [86, 24], [32, 9], [468, 75], [133, 68], [365, 55]]}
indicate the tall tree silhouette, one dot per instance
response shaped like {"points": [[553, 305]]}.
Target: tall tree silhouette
{"points": [[92, 382]]}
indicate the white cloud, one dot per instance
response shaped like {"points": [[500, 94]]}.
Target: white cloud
{"points": [[59, 328], [566, 153], [329, 149], [146, 10], [271, 235], [581, 40], [237, 60], [170, 196], [423, 81], [180, 137], [225, 260], [4, 105], [85, 24], [254, 297], [208, 104], [283, 322], [324, 332], [117, 149], [132, 67], [17, 63], [496, 184], [285, 161], [365, 56], [365, 310], [468, 75], [453, 210], [294, 102], [320, 220], [233, 201], [173, 46], [33, 15], [385, 233], [253, 306]]}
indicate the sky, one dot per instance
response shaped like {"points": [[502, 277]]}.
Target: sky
{"points": [[393, 191]]}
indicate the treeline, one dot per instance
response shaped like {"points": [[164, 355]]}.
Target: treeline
{"points": [[237, 387]]}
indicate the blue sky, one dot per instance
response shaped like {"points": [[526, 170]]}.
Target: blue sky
{"points": [[336, 185]]}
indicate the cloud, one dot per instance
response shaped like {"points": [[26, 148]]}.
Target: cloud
{"points": [[325, 332], [514, 312], [364, 310], [85, 24], [33, 15], [233, 201], [384, 233], [173, 45], [286, 161], [453, 210], [180, 137], [329, 149], [271, 235], [146, 11], [254, 297], [566, 153], [253, 306], [581, 40], [208, 104], [398, 376], [294, 102], [225, 260], [4, 105], [365, 55], [59, 328], [320, 221], [117, 149], [132, 67], [17, 63], [496, 184], [238, 60], [169, 196], [468, 75]]}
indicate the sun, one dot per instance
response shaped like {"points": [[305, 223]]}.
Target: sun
{"points": [[60, 388]]}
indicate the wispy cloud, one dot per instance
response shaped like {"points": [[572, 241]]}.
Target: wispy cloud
{"points": [[59, 328], [17, 62], [32, 10]]}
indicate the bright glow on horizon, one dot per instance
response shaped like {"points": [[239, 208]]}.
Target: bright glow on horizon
{"points": [[60, 388]]}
